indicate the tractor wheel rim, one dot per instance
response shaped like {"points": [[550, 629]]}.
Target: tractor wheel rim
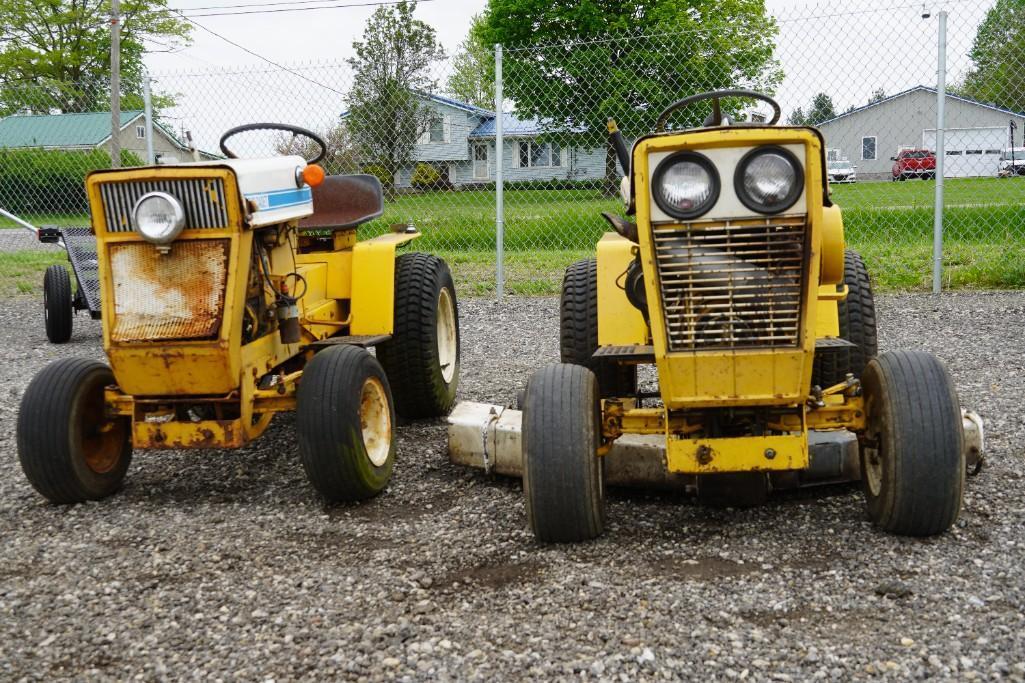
{"points": [[448, 345], [375, 421], [103, 440], [874, 470]]}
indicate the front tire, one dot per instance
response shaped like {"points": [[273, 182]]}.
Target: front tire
{"points": [[578, 331], [69, 450], [422, 357], [345, 424], [912, 455], [57, 304], [562, 473]]}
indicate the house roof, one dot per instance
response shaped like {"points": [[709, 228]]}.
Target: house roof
{"points": [[511, 126], [60, 130], [448, 101], [921, 88]]}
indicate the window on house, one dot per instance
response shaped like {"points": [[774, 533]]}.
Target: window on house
{"points": [[533, 154], [992, 151], [556, 155], [437, 129], [140, 132], [973, 151], [953, 152], [868, 148], [832, 155]]}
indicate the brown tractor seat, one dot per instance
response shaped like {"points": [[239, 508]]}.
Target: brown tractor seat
{"points": [[341, 202]]}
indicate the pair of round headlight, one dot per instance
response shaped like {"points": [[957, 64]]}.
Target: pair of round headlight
{"points": [[768, 180], [159, 217]]}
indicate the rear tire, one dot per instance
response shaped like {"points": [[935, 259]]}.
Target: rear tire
{"points": [[69, 451], [57, 304], [857, 315], [912, 456], [345, 424], [578, 331], [422, 357], [562, 473]]}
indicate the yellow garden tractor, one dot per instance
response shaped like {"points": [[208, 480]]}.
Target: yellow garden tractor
{"points": [[233, 290], [734, 283]]}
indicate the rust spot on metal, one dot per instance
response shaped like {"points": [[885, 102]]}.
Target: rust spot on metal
{"points": [[704, 454], [178, 295]]}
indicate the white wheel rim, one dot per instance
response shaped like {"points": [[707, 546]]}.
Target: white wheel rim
{"points": [[448, 346], [874, 470], [375, 421]]}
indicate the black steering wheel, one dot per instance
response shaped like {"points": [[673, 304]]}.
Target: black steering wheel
{"points": [[294, 130], [715, 118]]}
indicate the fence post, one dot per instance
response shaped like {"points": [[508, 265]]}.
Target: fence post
{"points": [[147, 100], [115, 84], [499, 178], [941, 95]]}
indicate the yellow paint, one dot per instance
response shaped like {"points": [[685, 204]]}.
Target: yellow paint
{"points": [[739, 454], [619, 322], [779, 376], [373, 283], [832, 246]]}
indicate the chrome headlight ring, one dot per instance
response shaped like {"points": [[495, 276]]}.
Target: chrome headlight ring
{"points": [[756, 186], [159, 217], [685, 185]]}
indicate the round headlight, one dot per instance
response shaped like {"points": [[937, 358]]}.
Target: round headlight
{"points": [[769, 180], [159, 217], [685, 185]]}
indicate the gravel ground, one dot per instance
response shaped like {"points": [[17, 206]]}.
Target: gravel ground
{"points": [[225, 565]]}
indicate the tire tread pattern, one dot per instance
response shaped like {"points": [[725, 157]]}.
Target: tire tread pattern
{"points": [[857, 314], [58, 302]]}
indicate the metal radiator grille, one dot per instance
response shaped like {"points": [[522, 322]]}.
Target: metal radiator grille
{"points": [[729, 285], [178, 295], [203, 199]]}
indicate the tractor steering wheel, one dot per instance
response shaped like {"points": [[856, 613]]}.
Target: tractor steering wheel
{"points": [[294, 130], [715, 118]]}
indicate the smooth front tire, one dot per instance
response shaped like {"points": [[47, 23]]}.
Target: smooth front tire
{"points": [[912, 455], [345, 424], [422, 357], [57, 304], [562, 473], [68, 448]]}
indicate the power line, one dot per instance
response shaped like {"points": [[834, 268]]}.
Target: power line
{"points": [[244, 8], [259, 56]]}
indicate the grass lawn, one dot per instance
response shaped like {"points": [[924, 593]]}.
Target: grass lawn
{"points": [[21, 272], [891, 224]]}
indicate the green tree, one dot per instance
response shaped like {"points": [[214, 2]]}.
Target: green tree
{"points": [[998, 56], [341, 155], [391, 74], [473, 68], [821, 109], [55, 54], [877, 95], [647, 55]]}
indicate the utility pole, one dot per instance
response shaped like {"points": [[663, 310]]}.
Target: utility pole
{"points": [[115, 83]]}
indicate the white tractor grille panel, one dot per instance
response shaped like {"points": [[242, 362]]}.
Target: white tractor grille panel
{"points": [[732, 285], [202, 198]]}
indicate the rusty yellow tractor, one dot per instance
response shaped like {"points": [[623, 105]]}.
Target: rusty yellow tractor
{"points": [[233, 290], [733, 285]]}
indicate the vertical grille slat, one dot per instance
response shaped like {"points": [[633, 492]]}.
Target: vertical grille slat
{"points": [[201, 210], [732, 285]]}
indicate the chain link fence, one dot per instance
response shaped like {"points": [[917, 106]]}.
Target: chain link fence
{"points": [[867, 78]]}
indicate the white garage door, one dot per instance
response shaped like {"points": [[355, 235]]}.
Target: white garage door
{"points": [[970, 151]]}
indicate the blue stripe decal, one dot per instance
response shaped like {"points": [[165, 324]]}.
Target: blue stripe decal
{"points": [[281, 199]]}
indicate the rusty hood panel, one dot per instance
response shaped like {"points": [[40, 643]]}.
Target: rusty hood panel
{"points": [[178, 295]]}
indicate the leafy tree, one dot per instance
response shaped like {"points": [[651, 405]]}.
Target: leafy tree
{"points": [[665, 50], [998, 55], [341, 157], [391, 73], [473, 68], [821, 109], [877, 96], [55, 54]]}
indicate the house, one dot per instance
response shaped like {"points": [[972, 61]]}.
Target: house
{"points": [[869, 136], [460, 143], [87, 131]]}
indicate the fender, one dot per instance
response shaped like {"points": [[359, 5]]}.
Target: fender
{"points": [[373, 283]]}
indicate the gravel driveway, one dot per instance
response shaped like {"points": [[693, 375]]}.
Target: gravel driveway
{"points": [[226, 565]]}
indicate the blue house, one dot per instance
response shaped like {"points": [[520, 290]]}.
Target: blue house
{"points": [[460, 144]]}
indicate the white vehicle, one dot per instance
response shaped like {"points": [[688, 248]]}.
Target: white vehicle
{"points": [[1012, 162], [842, 172]]}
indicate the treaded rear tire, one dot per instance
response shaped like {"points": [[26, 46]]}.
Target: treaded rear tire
{"points": [[329, 425], [412, 357], [857, 315], [912, 454], [57, 304], [562, 473], [578, 330], [62, 450]]}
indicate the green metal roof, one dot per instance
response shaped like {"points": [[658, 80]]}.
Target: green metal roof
{"points": [[59, 130]]}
